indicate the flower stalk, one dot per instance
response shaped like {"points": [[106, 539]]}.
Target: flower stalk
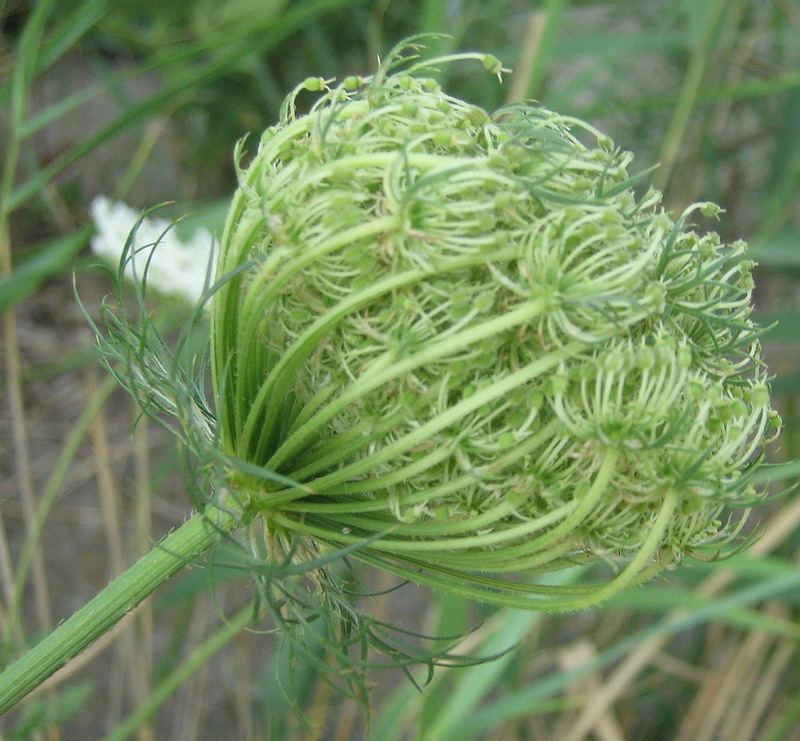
{"points": [[122, 595]]}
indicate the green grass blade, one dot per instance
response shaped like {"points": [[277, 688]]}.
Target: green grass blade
{"points": [[518, 704], [649, 598], [46, 262], [46, 501], [547, 43], [181, 673], [77, 22], [687, 99], [225, 59], [785, 172], [787, 723], [475, 682]]}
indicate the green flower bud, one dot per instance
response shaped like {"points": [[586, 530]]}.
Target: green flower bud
{"points": [[315, 84], [352, 82], [467, 340]]}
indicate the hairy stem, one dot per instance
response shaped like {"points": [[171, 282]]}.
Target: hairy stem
{"points": [[169, 556]]}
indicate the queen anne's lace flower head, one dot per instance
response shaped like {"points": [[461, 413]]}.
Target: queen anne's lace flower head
{"points": [[468, 339]]}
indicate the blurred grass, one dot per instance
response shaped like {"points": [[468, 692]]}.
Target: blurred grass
{"points": [[160, 93]]}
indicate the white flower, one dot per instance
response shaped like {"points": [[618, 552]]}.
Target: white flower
{"points": [[174, 267]]}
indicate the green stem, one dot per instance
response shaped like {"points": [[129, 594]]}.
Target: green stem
{"points": [[112, 604]]}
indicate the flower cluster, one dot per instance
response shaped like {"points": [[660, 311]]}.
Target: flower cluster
{"points": [[173, 267], [467, 340]]}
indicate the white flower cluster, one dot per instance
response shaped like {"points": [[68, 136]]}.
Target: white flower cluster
{"points": [[174, 267]]}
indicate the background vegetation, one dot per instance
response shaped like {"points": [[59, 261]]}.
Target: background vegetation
{"points": [[143, 101]]}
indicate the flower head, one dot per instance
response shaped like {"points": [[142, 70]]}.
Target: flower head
{"points": [[470, 342]]}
